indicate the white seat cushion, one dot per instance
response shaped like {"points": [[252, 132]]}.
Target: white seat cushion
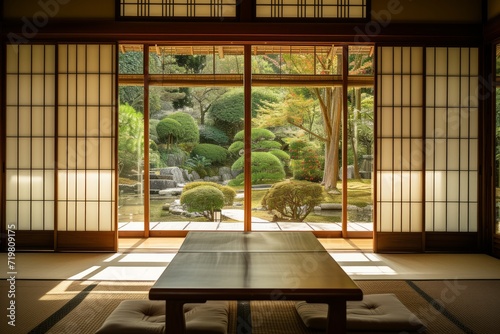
{"points": [[377, 312], [148, 317]]}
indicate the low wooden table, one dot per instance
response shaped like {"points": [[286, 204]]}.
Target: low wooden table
{"points": [[254, 266]]}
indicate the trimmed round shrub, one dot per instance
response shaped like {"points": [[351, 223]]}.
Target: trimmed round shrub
{"points": [[229, 193], [203, 199], [282, 155], [293, 199], [168, 130], [258, 134], [236, 147], [266, 145], [216, 154], [228, 111], [266, 168], [189, 128]]}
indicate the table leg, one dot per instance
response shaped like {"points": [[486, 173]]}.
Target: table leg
{"points": [[337, 320], [174, 317]]}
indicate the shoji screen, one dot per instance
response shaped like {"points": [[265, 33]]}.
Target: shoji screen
{"points": [[86, 123], [427, 143], [451, 139], [399, 139], [30, 143]]}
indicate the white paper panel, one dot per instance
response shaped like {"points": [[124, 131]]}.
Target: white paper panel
{"points": [[38, 215], [107, 59], [416, 123], [440, 186], [93, 89], [454, 61], [386, 90], [24, 215], [439, 219], [106, 151], [62, 214], [92, 216], [454, 186], [416, 217], [106, 217], [452, 213], [106, 89], [24, 158], [106, 188], [386, 158], [24, 58], [454, 90], [473, 61], [385, 60], [441, 61], [106, 121], [49, 184], [416, 90], [11, 153], [50, 87], [80, 216], [24, 92], [453, 154], [11, 94], [11, 121], [473, 184], [37, 153], [11, 213], [439, 155], [49, 218], [385, 221], [12, 52], [92, 58], [384, 185], [11, 185], [440, 123]]}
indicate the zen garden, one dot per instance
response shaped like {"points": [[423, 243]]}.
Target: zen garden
{"points": [[196, 143]]}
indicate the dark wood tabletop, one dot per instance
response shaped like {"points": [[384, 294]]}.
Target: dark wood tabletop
{"points": [[269, 270], [250, 242]]}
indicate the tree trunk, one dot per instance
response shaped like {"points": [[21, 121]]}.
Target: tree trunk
{"points": [[354, 137], [333, 102]]}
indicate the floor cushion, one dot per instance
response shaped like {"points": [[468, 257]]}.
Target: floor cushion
{"points": [[376, 312], [148, 317]]}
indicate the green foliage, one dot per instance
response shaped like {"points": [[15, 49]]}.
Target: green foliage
{"points": [[216, 154], [171, 156], [229, 193], [258, 134], [192, 63], [306, 164], [212, 135], [236, 147], [168, 130], [266, 168], [199, 164], [282, 155], [309, 168], [130, 141], [295, 148], [204, 199], [293, 199], [228, 111], [189, 128], [266, 146]]}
